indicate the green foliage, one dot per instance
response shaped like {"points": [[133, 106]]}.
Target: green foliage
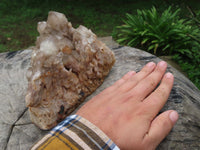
{"points": [[164, 34], [190, 66]]}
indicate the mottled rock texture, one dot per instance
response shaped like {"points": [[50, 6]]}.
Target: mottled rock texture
{"points": [[18, 132], [67, 65]]}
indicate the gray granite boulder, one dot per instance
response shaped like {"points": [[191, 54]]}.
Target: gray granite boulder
{"points": [[18, 133]]}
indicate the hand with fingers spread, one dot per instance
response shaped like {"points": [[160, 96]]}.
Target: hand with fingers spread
{"points": [[127, 111]]}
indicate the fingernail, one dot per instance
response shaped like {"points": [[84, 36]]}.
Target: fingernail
{"points": [[173, 116], [168, 75], [162, 63], [150, 64]]}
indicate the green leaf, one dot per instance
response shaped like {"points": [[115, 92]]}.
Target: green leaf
{"points": [[155, 41], [151, 47], [132, 41], [166, 47], [155, 48], [144, 41], [122, 39]]}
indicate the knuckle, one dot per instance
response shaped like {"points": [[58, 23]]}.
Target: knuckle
{"points": [[162, 92], [153, 83], [166, 123], [146, 70], [119, 82], [127, 97]]}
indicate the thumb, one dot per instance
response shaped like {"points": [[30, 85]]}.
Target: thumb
{"points": [[161, 126]]}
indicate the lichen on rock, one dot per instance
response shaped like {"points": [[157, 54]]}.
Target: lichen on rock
{"points": [[67, 64]]}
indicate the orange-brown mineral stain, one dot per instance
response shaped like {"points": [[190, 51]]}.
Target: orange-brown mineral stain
{"points": [[67, 50]]}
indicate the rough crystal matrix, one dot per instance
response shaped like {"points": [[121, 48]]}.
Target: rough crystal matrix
{"points": [[67, 65]]}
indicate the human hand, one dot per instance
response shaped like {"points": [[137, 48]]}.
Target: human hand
{"points": [[127, 111]]}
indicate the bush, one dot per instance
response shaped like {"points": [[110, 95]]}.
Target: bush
{"points": [[165, 34], [191, 66]]}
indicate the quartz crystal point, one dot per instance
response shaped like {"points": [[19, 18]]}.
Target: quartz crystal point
{"points": [[67, 64]]}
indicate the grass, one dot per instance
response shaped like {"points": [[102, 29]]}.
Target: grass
{"points": [[19, 18]]}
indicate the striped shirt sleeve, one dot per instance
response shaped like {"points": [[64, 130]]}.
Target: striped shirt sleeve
{"points": [[75, 133]]}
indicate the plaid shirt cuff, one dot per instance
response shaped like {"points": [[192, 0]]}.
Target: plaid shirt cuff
{"points": [[75, 133]]}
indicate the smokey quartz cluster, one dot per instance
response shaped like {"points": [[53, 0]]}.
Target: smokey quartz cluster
{"points": [[67, 64]]}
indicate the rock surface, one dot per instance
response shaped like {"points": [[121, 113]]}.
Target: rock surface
{"points": [[18, 133], [67, 65]]}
